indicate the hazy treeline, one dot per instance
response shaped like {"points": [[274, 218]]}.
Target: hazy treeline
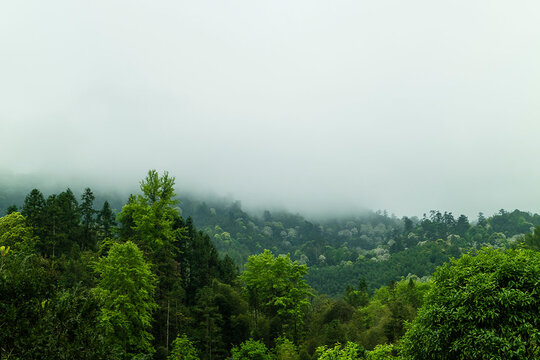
{"points": [[83, 282], [374, 246]]}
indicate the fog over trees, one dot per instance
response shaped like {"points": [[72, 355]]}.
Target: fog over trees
{"points": [[307, 180]]}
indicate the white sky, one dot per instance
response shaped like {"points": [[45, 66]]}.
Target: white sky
{"points": [[312, 105]]}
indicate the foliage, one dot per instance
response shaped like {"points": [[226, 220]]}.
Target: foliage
{"points": [[88, 236], [106, 221], [26, 283], [251, 350], [183, 349], [532, 240], [276, 286], [48, 310], [15, 233], [484, 305], [381, 352], [125, 289], [285, 349], [350, 351], [69, 327], [150, 217]]}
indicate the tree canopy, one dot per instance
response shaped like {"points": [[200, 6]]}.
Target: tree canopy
{"points": [[276, 286], [126, 288], [482, 306]]}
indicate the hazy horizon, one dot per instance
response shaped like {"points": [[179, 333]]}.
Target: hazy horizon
{"points": [[311, 106]]}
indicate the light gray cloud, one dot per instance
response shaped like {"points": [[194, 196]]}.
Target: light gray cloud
{"points": [[313, 105]]}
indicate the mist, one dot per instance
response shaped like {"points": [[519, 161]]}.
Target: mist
{"points": [[311, 106]]}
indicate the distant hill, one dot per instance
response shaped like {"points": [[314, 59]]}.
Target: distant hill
{"points": [[340, 251]]}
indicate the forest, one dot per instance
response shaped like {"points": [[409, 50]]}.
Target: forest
{"points": [[157, 277]]}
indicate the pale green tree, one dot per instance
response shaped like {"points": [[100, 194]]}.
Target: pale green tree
{"points": [[350, 351], [15, 232], [381, 352], [148, 219], [276, 287], [126, 290], [251, 350], [285, 349], [183, 349]]}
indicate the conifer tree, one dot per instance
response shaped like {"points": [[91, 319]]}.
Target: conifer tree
{"points": [[106, 221], [87, 212]]}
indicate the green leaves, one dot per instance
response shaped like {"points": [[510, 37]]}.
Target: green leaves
{"points": [[126, 288], [148, 219], [15, 233], [183, 349], [251, 350], [276, 286], [351, 351], [484, 305]]}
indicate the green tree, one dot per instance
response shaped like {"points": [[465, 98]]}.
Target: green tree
{"points": [[532, 240], [126, 288], [35, 212], [357, 297], [62, 223], [88, 239], [351, 351], [106, 221], [69, 327], [152, 221], [34, 208], [26, 283], [276, 287], [462, 225], [251, 350], [381, 352], [15, 233], [11, 209], [183, 349], [148, 218], [482, 306], [286, 350]]}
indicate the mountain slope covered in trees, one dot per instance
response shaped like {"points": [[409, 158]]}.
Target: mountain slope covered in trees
{"points": [[81, 282]]}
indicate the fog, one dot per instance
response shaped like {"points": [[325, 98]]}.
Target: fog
{"points": [[314, 106]]}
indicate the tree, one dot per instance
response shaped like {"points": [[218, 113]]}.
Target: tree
{"points": [[462, 225], [148, 219], [126, 289], [381, 352], [14, 232], [106, 221], [219, 320], [532, 240], [357, 297], [87, 216], [481, 219], [27, 281], [276, 286], [62, 223], [183, 349], [351, 351], [34, 209], [11, 209], [482, 306], [251, 350], [286, 350], [69, 327]]}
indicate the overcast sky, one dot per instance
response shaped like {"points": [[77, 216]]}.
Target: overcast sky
{"points": [[311, 105]]}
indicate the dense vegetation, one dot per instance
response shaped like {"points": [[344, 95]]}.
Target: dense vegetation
{"points": [[374, 246], [83, 283]]}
